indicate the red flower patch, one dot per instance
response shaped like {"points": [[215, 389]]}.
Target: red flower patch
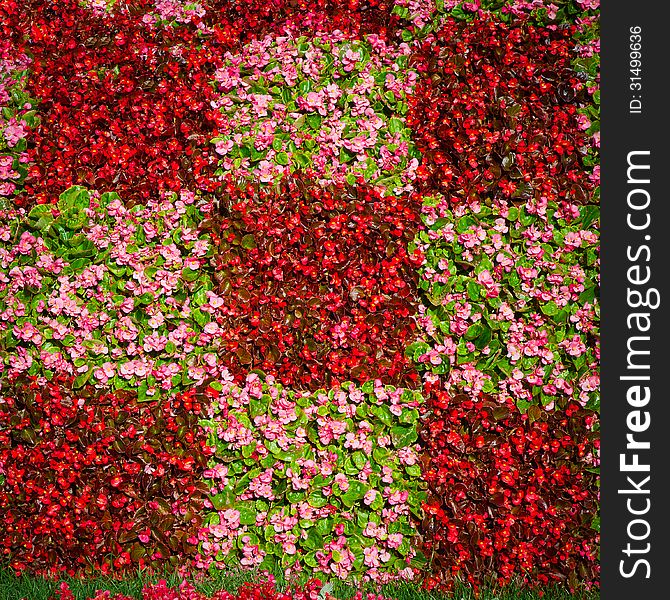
{"points": [[97, 482], [261, 590], [123, 107], [496, 113], [513, 496], [318, 284]]}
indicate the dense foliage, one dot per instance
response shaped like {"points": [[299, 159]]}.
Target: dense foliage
{"points": [[317, 283], [325, 482], [513, 495], [108, 294], [300, 284], [93, 482]]}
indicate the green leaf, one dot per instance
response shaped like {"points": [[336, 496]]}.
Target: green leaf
{"points": [[81, 379], [465, 223], [413, 470], [346, 156], [474, 290], [377, 503], [281, 158], [589, 214], [484, 339], [381, 456], [406, 35], [474, 331], [41, 216], [324, 526], [368, 387], [314, 539], [523, 405], [200, 297], [248, 241], [317, 500], [550, 308], [247, 514], [403, 436], [359, 459], [301, 159], [146, 298], [588, 295], [189, 274], [525, 218], [595, 523], [75, 197], [200, 317], [116, 269], [395, 125], [383, 413], [416, 350], [409, 416], [223, 499], [248, 450], [314, 121], [142, 392], [356, 492]]}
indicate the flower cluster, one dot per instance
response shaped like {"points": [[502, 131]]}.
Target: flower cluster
{"points": [[332, 105], [16, 118], [141, 118], [138, 121], [324, 482], [419, 18], [314, 285], [511, 272], [107, 294], [265, 589], [331, 193], [512, 495], [496, 114], [511, 300], [93, 482], [175, 12]]}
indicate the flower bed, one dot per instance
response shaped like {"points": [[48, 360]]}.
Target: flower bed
{"points": [[322, 482], [316, 285], [18, 115], [97, 482], [331, 105], [241, 242], [513, 496], [313, 590]]}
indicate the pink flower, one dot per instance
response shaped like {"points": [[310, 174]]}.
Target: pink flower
{"points": [[371, 556], [7, 188], [398, 497], [342, 481], [407, 456], [370, 496], [223, 147], [350, 59], [265, 171]]}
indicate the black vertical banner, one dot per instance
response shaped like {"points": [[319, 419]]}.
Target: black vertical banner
{"points": [[635, 359]]}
